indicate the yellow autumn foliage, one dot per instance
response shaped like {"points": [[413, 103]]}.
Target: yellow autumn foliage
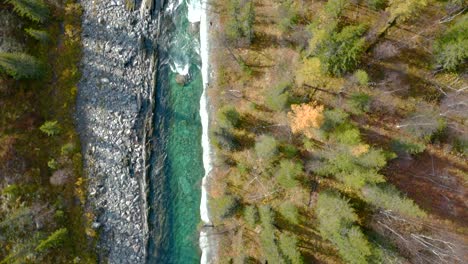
{"points": [[306, 118]]}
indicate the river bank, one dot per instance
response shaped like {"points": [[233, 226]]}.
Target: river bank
{"points": [[208, 243], [113, 105]]}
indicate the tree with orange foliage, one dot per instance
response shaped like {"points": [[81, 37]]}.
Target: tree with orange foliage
{"points": [[306, 118]]}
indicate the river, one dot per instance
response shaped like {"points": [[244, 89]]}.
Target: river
{"points": [[177, 157]]}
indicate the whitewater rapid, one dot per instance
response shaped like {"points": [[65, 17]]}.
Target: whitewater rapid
{"points": [[197, 13]]}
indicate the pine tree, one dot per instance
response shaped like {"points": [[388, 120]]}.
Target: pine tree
{"points": [[21, 65]]}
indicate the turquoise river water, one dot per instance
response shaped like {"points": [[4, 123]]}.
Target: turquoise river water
{"points": [[177, 165]]}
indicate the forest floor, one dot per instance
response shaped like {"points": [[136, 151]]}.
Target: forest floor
{"points": [[30, 160]]}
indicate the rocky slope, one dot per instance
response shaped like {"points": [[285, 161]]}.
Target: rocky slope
{"points": [[115, 100]]}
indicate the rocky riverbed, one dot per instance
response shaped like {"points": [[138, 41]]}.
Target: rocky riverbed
{"points": [[114, 106]]}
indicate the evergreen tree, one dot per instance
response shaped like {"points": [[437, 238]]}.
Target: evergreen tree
{"points": [[289, 212], [228, 117], [267, 236], [451, 48], [389, 198], [266, 148], [405, 9], [51, 128], [223, 206], [287, 173], [288, 246], [54, 240], [343, 50], [20, 65], [251, 215], [239, 25], [40, 35], [277, 98], [36, 10], [336, 223]]}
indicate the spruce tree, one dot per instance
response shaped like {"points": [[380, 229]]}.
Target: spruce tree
{"points": [[21, 65], [36, 10]]}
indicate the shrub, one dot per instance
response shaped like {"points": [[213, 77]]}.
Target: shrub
{"points": [[52, 164], [67, 149], [389, 198], [361, 77], [360, 102], [54, 240], [21, 65], [51, 128], [451, 48], [287, 173], [36, 10]]}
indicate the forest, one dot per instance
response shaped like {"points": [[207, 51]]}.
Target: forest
{"points": [[42, 191], [340, 131]]}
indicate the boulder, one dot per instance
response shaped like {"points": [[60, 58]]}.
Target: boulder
{"points": [[181, 79]]}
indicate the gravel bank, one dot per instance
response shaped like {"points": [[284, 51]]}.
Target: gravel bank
{"points": [[115, 99]]}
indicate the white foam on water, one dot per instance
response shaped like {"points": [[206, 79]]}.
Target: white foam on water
{"points": [[173, 5], [182, 69], [198, 11], [195, 11]]}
